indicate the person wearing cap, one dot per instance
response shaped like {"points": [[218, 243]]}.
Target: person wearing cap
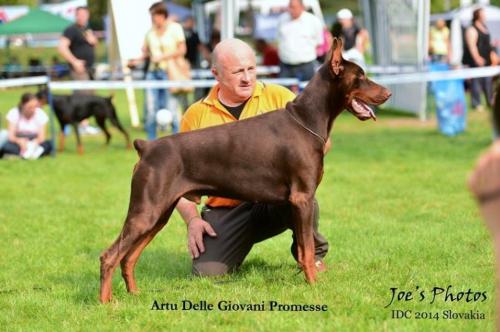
{"points": [[299, 33], [354, 37]]}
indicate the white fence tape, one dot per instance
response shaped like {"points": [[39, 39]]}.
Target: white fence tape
{"points": [[23, 81], [113, 85], [438, 75]]}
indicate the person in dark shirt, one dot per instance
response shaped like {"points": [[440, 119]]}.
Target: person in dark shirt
{"points": [[478, 52], [77, 46], [354, 37], [193, 42]]}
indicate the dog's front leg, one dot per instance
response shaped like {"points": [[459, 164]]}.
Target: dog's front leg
{"points": [[302, 213]]}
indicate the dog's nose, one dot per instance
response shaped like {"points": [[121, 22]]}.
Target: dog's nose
{"points": [[388, 94]]}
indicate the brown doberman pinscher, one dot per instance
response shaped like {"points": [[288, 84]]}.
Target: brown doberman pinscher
{"points": [[283, 164]]}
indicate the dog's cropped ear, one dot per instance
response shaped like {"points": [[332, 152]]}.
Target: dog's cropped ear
{"points": [[336, 57], [140, 145]]}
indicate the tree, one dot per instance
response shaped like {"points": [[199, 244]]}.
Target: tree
{"points": [[98, 9]]}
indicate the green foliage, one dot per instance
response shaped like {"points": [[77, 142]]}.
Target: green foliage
{"points": [[23, 54], [98, 9], [31, 3], [394, 207], [440, 6]]}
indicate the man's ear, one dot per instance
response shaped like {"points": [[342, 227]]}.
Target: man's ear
{"points": [[214, 71], [336, 57]]}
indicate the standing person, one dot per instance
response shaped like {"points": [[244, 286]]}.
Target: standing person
{"points": [[439, 42], [27, 127], [194, 45], [355, 38], [269, 53], [76, 46], [299, 33], [478, 52], [195, 48], [232, 226], [163, 42]]}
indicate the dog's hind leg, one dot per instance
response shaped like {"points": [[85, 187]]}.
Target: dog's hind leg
{"points": [[101, 122], [149, 209], [130, 260], [302, 214], [137, 226], [115, 122]]}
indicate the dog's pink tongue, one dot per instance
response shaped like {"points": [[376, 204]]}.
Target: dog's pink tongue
{"points": [[361, 107], [372, 114]]}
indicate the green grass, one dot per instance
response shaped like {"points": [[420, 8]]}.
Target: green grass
{"points": [[394, 207]]}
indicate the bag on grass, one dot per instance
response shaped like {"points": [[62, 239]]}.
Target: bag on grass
{"points": [[449, 97]]}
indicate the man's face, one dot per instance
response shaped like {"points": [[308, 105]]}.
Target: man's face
{"points": [[295, 8], [237, 74], [82, 17]]}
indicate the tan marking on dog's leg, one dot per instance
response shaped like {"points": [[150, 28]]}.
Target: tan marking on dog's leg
{"points": [[79, 149], [302, 211], [129, 262], [135, 228], [61, 141]]}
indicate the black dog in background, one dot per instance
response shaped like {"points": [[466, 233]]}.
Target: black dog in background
{"points": [[72, 109]]}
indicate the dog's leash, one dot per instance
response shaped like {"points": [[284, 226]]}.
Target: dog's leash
{"points": [[321, 138]]}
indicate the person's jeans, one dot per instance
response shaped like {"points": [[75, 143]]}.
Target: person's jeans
{"points": [[154, 100], [481, 83], [302, 72]]}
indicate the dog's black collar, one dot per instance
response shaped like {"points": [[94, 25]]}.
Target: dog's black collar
{"points": [[321, 138]]}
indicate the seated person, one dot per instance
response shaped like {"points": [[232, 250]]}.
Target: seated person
{"points": [[27, 125]]}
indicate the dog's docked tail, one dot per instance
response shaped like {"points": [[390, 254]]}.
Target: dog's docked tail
{"points": [[140, 145]]}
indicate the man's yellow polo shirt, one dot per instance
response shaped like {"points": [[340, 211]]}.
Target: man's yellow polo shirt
{"points": [[210, 112]]}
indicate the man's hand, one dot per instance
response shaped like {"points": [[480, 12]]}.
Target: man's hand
{"points": [[90, 37], [197, 227], [484, 183]]}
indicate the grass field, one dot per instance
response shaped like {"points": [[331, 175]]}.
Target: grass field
{"points": [[394, 207]]}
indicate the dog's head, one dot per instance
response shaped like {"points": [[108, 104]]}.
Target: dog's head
{"points": [[359, 90]]}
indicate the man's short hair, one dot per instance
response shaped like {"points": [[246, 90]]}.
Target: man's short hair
{"points": [[158, 8], [81, 8]]}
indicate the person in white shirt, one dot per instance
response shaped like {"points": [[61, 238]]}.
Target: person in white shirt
{"points": [[27, 126], [299, 33]]}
